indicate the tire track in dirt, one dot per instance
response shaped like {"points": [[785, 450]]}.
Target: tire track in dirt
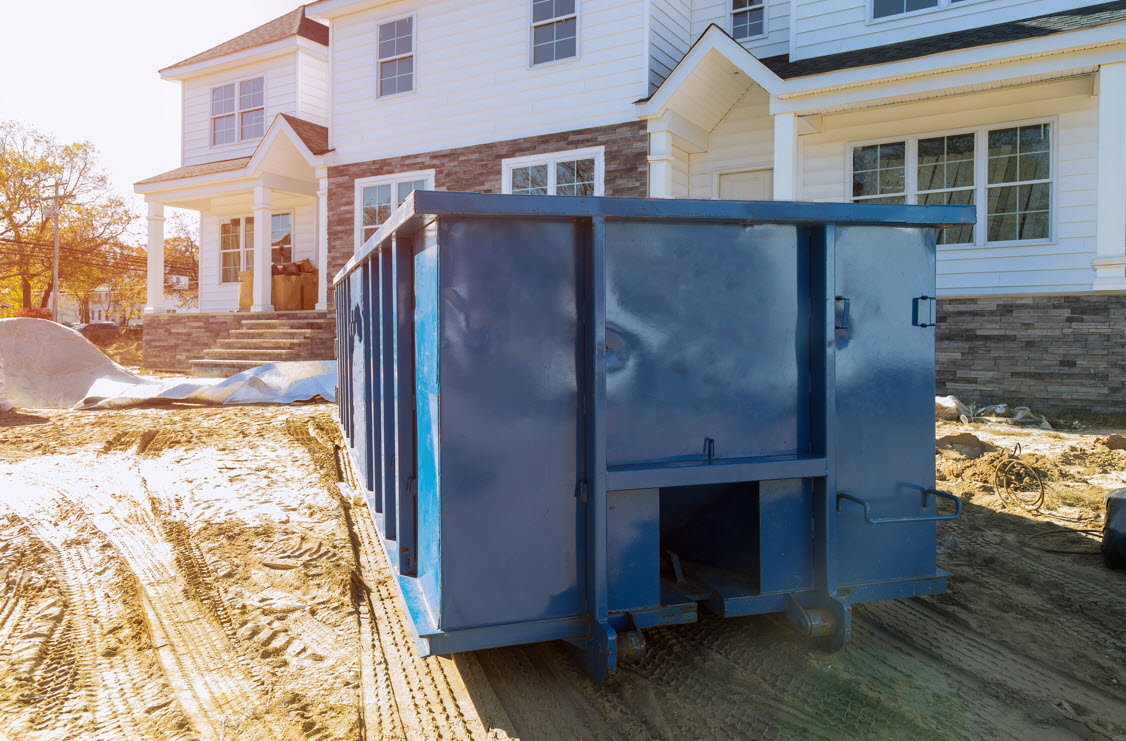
{"points": [[208, 677], [121, 695], [953, 645]]}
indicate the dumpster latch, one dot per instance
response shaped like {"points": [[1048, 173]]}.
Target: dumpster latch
{"points": [[923, 312], [843, 306], [582, 492], [709, 449]]}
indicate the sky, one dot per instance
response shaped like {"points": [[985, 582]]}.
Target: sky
{"points": [[88, 71]]}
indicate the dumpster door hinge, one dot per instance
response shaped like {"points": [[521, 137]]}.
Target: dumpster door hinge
{"points": [[581, 492], [923, 311]]}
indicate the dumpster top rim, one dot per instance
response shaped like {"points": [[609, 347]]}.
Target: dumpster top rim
{"points": [[422, 204]]}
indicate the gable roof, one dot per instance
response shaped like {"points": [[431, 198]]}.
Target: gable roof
{"points": [[1038, 26], [314, 136], [293, 23]]}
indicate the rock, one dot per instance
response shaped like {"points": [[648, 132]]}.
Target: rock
{"points": [[1113, 442], [1045, 424], [949, 408], [966, 444]]}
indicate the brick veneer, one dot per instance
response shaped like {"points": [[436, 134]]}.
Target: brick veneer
{"points": [[478, 169], [1052, 353], [171, 341]]}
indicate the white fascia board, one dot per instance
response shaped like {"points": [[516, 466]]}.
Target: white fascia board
{"points": [[236, 59], [714, 39], [951, 69], [326, 10], [201, 186], [318, 51]]}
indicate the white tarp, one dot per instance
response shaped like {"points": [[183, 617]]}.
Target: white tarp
{"points": [[49, 366]]}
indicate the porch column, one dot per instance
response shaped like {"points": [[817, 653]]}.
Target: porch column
{"points": [[155, 276], [322, 239], [785, 157], [661, 161], [263, 259], [1110, 219]]}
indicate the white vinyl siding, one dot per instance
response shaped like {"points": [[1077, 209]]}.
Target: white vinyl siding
{"points": [[670, 37], [1060, 264], [732, 149], [285, 91], [776, 19], [831, 26], [474, 85]]}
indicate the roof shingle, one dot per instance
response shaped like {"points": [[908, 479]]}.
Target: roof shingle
{"points": [[1042, 25], [293, 23]]}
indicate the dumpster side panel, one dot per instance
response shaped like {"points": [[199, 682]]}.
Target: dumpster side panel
{"points": [[885, 404], [427, 404], [707, 335], [510, 354], [361, 362]]}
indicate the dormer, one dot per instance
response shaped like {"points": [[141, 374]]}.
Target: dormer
{"points": [[230, 93]]}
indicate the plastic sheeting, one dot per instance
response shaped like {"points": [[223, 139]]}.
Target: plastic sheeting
{"points": [[49, 366]]}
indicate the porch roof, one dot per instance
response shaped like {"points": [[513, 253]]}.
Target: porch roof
{"points": [[310, 140]]}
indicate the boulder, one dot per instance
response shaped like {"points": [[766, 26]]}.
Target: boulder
{"points": [[949, 408]]}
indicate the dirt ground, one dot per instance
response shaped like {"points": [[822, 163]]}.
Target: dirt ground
{"points": [[123, 346], [190, 573]]}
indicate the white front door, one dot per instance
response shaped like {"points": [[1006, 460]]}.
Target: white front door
{"points": [[747, 185]]}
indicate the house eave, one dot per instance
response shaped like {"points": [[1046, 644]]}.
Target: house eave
{"points": [[261, 53]]}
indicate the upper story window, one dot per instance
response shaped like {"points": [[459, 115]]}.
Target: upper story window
{"points": [[748, 18], [238, 111], [555, 30], [396, 57], [579, 172], [1006, 172], [889, 8], [378, 197]]}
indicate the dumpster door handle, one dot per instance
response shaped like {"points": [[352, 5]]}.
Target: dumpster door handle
{"points": [[891, 520], [923, 311], [843, 306]]}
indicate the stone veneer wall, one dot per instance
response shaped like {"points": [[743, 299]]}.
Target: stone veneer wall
{"points": [[478, 169], [1051, 353], [171, 341]]}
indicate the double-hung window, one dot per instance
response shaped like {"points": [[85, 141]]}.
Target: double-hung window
{"points": [[578, 172], [378, 197], [238, 111], [748, 18], [396, 57], [1004, 171], [555, 30], [889, 8], [281, 238], [236, 247]]}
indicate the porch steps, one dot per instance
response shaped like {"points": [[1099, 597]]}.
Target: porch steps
{"points": [[256, 341]]}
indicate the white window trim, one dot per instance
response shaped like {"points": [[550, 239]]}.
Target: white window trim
{"points": [[358, 196], [731, 21], [981, 148], [598, 154], [942, 5], [238, 122], [413, 55], [242, 240], [577, 15]]}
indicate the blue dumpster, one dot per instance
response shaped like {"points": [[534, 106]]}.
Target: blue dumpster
{"points": [[578, 418]]}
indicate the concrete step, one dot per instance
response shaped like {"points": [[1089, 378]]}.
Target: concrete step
{"points": [[290, 335], [260, 324], [250, 343], [258, 356]]}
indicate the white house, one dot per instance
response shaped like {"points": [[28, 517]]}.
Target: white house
{"points": [[1017, 107]]}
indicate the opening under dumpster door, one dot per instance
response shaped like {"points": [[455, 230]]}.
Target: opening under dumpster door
{"points": [[885, 404]]}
